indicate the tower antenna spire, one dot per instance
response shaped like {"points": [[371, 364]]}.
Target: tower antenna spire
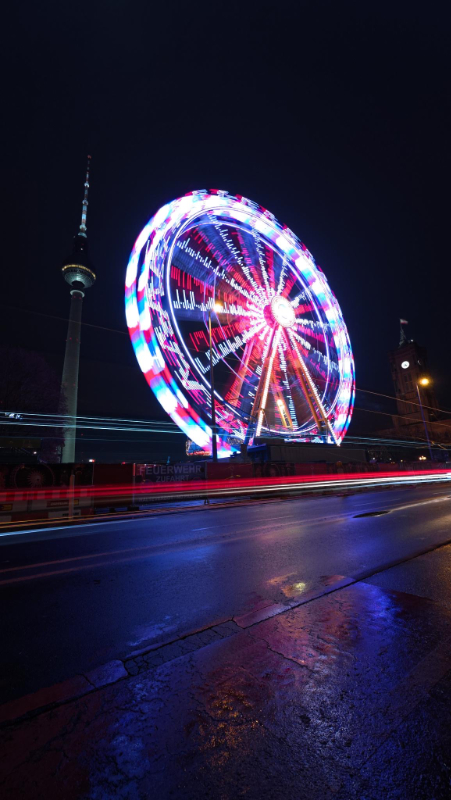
{"points": [[84, 208], [403, 338]]}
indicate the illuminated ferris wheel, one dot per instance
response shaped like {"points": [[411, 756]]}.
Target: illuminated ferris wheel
{"points": [[281, 355]]}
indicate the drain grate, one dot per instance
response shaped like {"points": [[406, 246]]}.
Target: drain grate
{"points": [[371, 514]]}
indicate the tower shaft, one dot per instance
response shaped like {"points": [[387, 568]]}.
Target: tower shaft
{"points": [[69, 384], [78, 272]]}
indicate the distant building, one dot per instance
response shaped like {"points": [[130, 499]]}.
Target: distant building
{"points": [[416, 401]]}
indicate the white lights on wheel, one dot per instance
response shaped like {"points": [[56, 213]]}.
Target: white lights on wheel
{"points": [[210, 251]]}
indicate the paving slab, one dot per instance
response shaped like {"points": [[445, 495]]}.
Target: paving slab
{"points": [[311, 703], [429, 576], [415, 761]]}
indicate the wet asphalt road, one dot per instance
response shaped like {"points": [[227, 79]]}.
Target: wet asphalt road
{"points": [[75, 598]]}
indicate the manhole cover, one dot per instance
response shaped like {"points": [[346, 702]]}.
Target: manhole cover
{"points": [[371, 514]]}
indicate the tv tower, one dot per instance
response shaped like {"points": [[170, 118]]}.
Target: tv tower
{"points": [[79, 274]]}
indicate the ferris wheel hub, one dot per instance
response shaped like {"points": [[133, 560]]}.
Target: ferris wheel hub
{"points": [[282, 311]]}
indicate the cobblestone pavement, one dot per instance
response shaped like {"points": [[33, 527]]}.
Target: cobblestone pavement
{"points": [[345, 697]]}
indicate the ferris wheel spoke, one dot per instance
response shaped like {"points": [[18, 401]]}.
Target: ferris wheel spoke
{"points": [[227, 342], [234, 395], [311, 393], [261, 258], [283, 276], [201, 339], [216, 242], [250, 270], [194, 314], [262, 270], [226, 250], [314, 353], [290, 281], [324, 364], [302, 303], [314, 331], [207, 273], [230, 313], [231, 283], [302, 340]]}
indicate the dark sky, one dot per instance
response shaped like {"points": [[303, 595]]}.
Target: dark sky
{"points": [[335, 116]]}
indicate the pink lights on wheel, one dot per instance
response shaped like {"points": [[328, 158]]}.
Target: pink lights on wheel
{"points": [[210, 247]]}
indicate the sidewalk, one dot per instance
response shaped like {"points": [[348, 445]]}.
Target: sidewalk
{"points": [[347, 696]]}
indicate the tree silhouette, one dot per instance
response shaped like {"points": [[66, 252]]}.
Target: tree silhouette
{"points": [[28, 384]]}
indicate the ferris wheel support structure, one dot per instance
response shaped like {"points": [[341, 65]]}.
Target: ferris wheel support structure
{"points": [[312, 396]]}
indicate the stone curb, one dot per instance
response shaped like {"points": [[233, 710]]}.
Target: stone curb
{"points": [[180, 647], [44, 699], [101, 519], [149, 657], [51, 697]]}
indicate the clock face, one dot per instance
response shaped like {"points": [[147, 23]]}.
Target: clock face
{"points": [[405, 364]]}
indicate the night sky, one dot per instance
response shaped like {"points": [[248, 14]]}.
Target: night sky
{"points": [[334, 116]]}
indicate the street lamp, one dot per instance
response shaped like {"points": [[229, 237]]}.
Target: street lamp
{"points": [[217, 307], [424, 382]]}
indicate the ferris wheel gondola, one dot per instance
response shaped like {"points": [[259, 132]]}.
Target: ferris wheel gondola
{"points": [[280, 348]]}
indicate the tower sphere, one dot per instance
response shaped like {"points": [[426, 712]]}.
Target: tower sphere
{"points": [[77, 269]]}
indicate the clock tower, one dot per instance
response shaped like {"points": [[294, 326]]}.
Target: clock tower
{"points": [[409, 368]]}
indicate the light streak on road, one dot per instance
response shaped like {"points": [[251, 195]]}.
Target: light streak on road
{"points": [[146, 495]]}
